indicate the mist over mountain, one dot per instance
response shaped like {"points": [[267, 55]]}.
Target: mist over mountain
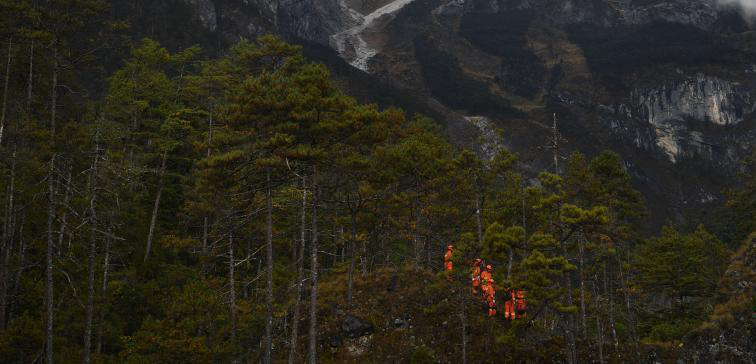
{"points": [[748, 6]]}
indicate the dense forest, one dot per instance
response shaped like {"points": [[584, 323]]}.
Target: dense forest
{"points": [[181, 207]]}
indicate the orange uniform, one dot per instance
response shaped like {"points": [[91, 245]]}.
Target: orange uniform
{"points": [[491, 298], [475, 277], [448, 261], [486, 277], [509, 305], [521, 305], [515, 307]]}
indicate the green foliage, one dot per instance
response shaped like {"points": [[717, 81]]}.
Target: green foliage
{"points": [[182, 334], [741, 202], [679, 265], [542, 271], [422, 355], [672, 330], [500, 241], [389, 190]]}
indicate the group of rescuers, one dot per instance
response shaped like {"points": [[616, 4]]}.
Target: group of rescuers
{"points": [[515, 305]]}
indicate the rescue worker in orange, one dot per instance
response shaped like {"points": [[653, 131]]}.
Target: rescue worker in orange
{"points": [[521, 305], [476, 276], [509, 304], [486, 278], [491, 298], [448, 261]]}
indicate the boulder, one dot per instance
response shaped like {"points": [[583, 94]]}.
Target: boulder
{"points": [[399, 323], [354, 327]]}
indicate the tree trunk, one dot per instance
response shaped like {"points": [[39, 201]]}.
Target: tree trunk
{"points": [[608, 292], [90, 296], [570, 338], [259, 269], [232, 299], [509, 263], [478, 221], [352, 239], [204, 243], [205, 219], [103, 291], [5, 89], [4, 282], [416, 225], [599, 329], [584, 325], [463, 315], [524, 216], [155, 208], [64, 216], [569, 322], [611, 315], [630, 316], [569, 318], [555, 144], [300, 276], [364, 258], [313, 335], [248, 264], [269, 254], [92, 249], [51, 216], [20, 269], [130, 146], [30, 81], [7, 243]]}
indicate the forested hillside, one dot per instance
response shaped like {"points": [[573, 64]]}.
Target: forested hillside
{"points": [[187, 206]]}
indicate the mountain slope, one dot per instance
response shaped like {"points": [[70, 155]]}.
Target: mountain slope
{"points": [[668, 84]]}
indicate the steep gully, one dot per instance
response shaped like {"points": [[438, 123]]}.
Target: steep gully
{"points": [[352, 37]]}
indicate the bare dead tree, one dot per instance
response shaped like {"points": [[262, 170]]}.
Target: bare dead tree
{"points": [[156, 206], [313, 334], [269, 274], [92, 248], [300, 275], [5, 89], [51, 215]]}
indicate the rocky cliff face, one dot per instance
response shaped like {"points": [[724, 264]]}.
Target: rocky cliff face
{"points": [[311, 20], [701, 97], [667, 107]]}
